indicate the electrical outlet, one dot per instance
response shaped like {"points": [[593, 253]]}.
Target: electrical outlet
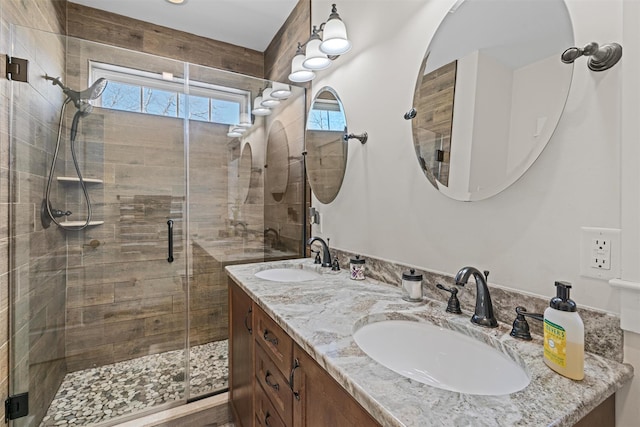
{"points": [[600, 253]]}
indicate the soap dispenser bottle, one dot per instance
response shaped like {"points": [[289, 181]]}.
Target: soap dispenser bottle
{"points": [[564, 335]]}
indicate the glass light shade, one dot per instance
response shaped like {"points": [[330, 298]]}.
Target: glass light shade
{"points": [[280, 90], [258, 109], [334, 38], [314, 58], [268, 100], [233, 134], [300, 74], [245, 120]]}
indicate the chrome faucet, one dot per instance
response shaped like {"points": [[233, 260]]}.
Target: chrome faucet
{"points": [[326, 256], [483, 315]]}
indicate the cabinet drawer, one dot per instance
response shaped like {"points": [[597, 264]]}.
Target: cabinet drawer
{"points": [[274, 384], [265, 414], [275, 342]]}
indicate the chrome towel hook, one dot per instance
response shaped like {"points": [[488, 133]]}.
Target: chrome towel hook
{"points": [[600, 57]]}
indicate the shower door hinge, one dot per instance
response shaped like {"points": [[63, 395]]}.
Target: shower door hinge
{"points": [[17, 69], [16, 406]]}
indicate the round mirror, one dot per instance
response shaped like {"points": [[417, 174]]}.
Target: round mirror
{"points": [[490, 93], [326, 158], [244, 173], [277, 167]]}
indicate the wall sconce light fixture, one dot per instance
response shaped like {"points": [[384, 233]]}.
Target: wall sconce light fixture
{"points": [[317, 53], [234, 132], [258, 108]]}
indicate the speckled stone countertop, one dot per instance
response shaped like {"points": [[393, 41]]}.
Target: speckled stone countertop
{"points": [[321, 315]]}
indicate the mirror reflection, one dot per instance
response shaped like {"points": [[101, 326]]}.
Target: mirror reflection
{"points": [[326, 147], [245, 173], [490, 93], [277, 166]]}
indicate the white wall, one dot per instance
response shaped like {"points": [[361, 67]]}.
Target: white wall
{"points": [[528, 236]]}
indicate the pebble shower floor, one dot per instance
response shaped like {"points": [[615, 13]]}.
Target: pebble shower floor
{"points": [[95, 395]]}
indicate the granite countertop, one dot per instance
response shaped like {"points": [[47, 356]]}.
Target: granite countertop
{"points": [[321, 315]]}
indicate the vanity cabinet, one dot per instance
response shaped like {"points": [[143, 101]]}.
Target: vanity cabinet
{"points": [[320, 401], [259, 381], [240, 355]]}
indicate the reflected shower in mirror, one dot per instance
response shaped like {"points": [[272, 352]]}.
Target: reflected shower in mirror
{"points": [[277, 167], [326, 146], [490, 93]]}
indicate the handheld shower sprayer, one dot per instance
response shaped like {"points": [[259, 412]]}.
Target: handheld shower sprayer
{"points": [[79, 97], [81, 101]]}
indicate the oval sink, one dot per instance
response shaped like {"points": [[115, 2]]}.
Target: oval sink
{"points": [[441, 357], [287, 275]]}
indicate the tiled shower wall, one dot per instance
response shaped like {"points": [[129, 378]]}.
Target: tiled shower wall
{"points": [[33, 259]]}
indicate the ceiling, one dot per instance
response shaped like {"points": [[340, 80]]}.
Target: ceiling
{"points": [[247, 23]]}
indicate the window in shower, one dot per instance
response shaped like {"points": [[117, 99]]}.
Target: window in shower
{"points": [[162, 94]]}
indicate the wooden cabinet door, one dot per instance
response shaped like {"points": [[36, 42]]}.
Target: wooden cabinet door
{"points": [[319, 401], [241, 355]]}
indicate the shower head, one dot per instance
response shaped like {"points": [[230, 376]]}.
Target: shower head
{"points": [[81, 97]]}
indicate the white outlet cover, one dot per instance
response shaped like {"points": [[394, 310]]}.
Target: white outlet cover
{"points": [[588, 234]]}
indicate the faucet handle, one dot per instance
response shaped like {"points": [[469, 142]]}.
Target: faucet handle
{"points": [[520, 328], [486, 275], [335, 266], [453, 305], [317, 259]]}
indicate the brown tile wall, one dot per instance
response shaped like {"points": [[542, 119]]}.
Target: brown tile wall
{"points": [[34, 269], [282, 49], [117, 30], [32, 273], [124, 299]]}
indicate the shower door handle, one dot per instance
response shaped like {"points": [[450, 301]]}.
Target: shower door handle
{"points": [[170, 233]]}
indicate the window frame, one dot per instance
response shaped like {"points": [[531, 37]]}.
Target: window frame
{"points": [[147, 79]]}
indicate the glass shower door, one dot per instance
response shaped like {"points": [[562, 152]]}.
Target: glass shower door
{"points": [[99, 315]]}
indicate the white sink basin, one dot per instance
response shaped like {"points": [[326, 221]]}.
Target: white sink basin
{"points": [[441, 357], [287, 275]]}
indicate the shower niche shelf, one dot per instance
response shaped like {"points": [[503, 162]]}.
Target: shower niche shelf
{"points": [[80, 223], [65, 179]]}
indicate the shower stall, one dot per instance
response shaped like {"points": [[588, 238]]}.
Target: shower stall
{"points": [[120, 233]]}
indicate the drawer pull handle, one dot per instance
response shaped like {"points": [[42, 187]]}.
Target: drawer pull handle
{"points": [[246, 318], [267, 337], [266, 419], [275, 386], [296, 365]]}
